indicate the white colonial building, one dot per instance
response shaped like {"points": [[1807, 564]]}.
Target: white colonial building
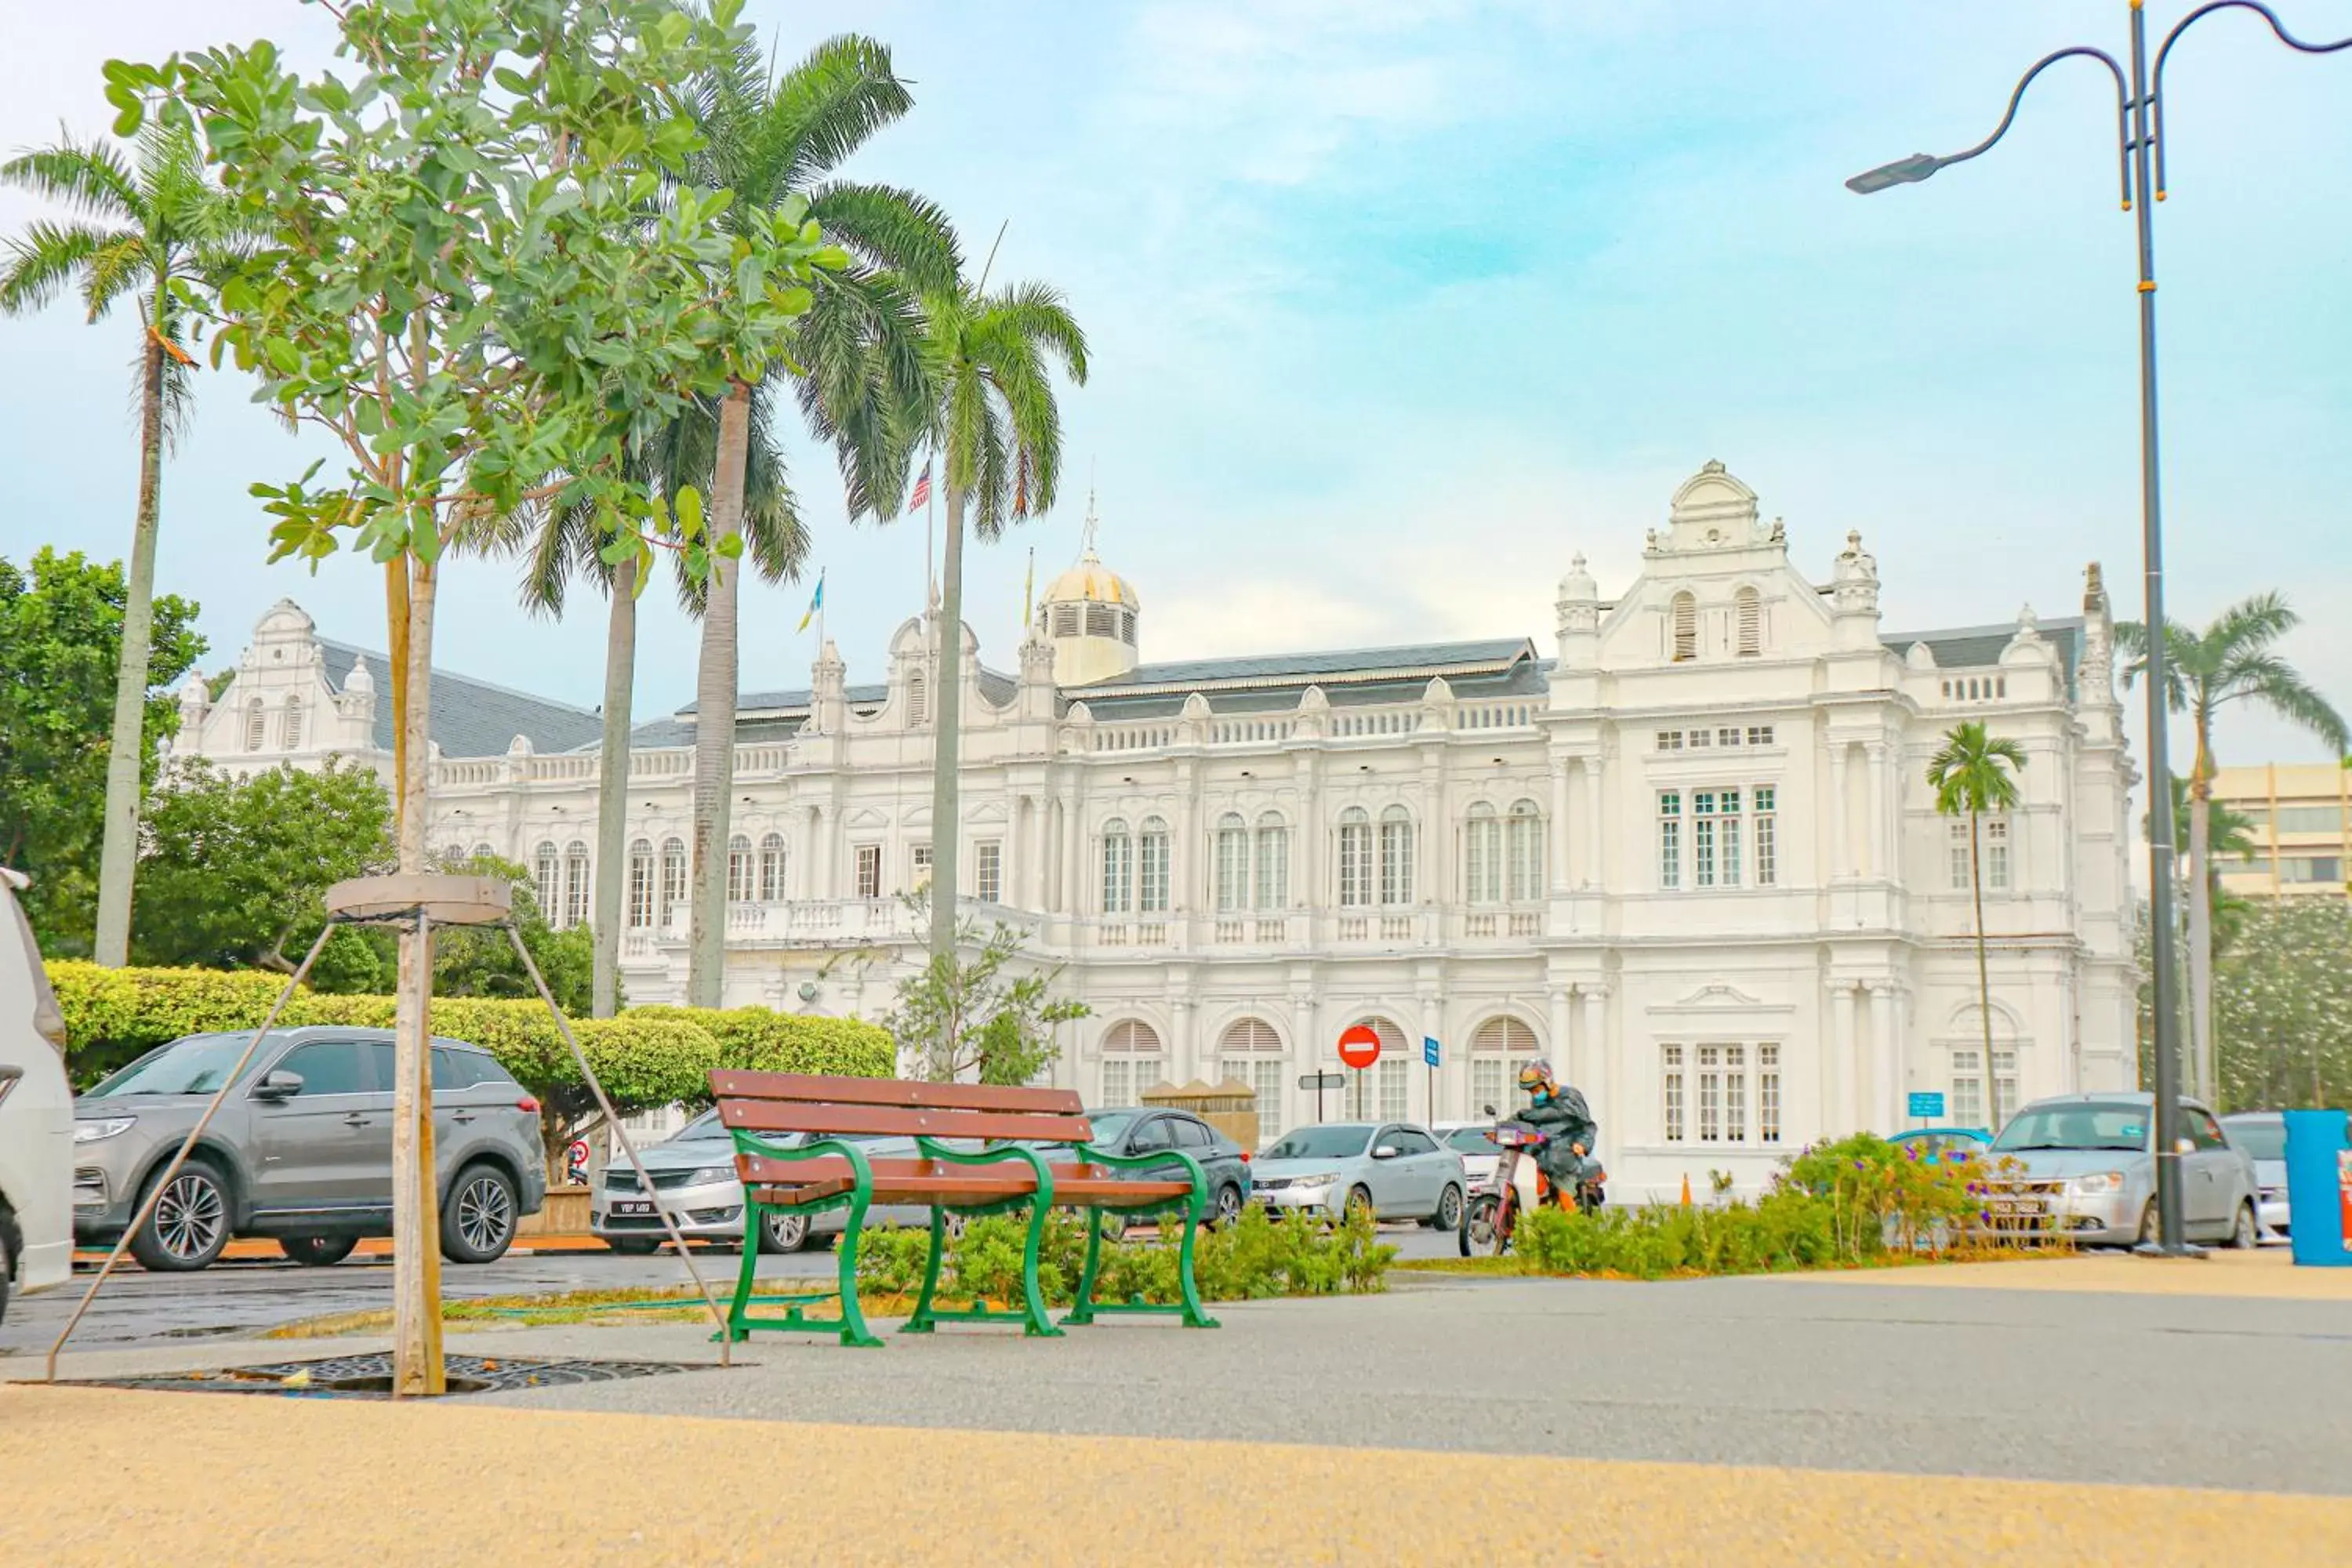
{"points": [[1688, 851]]}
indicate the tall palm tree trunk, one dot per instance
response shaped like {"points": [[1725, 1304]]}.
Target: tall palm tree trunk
{"points": [[415, 1214], [947, 749], [612, 792], [1984, 982], [714, 712], [118, 854], [2200, 936]]}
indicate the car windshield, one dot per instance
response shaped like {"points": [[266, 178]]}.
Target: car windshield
{"points": [[1471, 1139], [2263, 1139], [2084, 1127], [1110, 1126], [1320, 1144], [196, 1064], [703, 1126]]}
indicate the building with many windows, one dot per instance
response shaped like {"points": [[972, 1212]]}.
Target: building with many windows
{"points": [[2298, 820], [1684, 848]]}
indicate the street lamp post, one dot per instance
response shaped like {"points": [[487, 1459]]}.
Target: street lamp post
{"points": [[2139, 123]]}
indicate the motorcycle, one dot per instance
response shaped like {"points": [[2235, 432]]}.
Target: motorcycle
{"points": [[1519, 1183]]}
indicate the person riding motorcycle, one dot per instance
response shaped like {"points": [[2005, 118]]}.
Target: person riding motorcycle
{"points": [[1560, 1112]]}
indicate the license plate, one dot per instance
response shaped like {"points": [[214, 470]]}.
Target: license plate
{"points": [[2019, 1206], [632, 1205]]}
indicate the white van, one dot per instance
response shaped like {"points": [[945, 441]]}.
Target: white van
{"points": [[36, 1114]]}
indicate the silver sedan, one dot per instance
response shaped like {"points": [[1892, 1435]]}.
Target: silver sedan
{"points": [[1394, 1170]]}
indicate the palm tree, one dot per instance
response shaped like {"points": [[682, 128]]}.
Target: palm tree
{"points": [[1973, 773], [858, 362], [158, 229], [2232, 660], [565, 545], [994, 420]]}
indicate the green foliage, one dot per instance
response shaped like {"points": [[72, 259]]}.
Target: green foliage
{"points": [[60, 639], [759, 1039], [1252, 1259], [956, 1019], [2283, 1006]]}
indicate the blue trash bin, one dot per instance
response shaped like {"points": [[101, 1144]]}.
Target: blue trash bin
{"points": [[2319, 1187]]}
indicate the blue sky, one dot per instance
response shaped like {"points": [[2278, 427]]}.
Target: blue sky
{"points": [[1396, 304]]}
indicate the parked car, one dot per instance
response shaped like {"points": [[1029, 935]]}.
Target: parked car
{"points": [[301, 1150], [1944, 1143], [2262, 1135], [1140, 1130], [1474, 1141], [2086, 1164], [1394, 1168], [36, 1114], [694, 1178]]}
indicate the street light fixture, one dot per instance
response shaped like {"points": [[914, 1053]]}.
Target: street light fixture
{"points": [[2140, 119]]}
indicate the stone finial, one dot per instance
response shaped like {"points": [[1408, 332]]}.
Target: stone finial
{"points": [[1856, 577]]}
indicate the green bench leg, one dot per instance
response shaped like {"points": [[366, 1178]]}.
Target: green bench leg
{"points": [[739, 1311], [1195, 1316], [922, 1323], [853, 1319], [1041, 1322], [1081, 1309]]}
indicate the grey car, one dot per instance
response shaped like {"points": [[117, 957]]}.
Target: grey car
{"points": [[2085, 1165], [1395, 1169], [2262, 1135], [301, 1150], [694, 1179]]}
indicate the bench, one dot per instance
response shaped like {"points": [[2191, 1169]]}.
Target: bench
{"points": [[997, 1169]]}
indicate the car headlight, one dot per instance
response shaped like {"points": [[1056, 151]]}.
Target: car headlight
{"points": [[709, 1173], [103, 1127], [2096, 1183]]}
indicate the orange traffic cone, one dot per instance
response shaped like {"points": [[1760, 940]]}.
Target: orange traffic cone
{"points": [[1686, 1189]]}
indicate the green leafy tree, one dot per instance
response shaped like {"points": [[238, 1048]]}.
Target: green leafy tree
{"points": [[61, 627], [856, 363], [158, 231], [2233, 659], [2283, 1006], [1974, 773], [989, 1018], [994, 418]]}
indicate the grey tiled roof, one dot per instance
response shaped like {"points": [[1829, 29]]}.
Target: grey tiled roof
{"points": [[1349, 678], [996, 687], [470, 718], [1308, 668], [1973, 647]]}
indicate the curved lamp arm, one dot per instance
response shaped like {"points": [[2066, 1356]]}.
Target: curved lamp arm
{"points": [[2155, 89], [1919, 165]]}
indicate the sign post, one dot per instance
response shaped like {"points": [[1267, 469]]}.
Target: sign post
{"points": [[1318, 1082], [1359, 1047], [1429, 1055], [1927, 1105]]}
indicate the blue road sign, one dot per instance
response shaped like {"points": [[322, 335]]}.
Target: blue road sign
{"points": [[1429, 1049], [1927, 1105]]}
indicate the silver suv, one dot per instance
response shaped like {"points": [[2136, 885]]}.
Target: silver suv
{"points": [[301, 1150]]}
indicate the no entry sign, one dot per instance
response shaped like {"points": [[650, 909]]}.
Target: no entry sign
{"points": [[1360, 1046]]}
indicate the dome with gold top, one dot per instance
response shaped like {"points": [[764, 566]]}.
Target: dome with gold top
{"points": [[1090, 583], [1088, 614]]}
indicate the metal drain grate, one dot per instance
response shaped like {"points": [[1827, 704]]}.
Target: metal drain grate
{"points": [[370, 1376]]}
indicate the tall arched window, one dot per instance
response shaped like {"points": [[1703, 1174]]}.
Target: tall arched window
{"points": [[919, 699], [1355, 859], [1151, 866], [575, 883], [740, 868], [545, 885], [772, 869], [641, 884], [483, 852], [1130, 1061], [1524, 845], [1396, 856], [1273, 861], [290, 728], [1233, 863], [1482, 855], [1250, 1052], [1686, 619], [673, 881], [256, 725], [1498, 1048], [1118, 868], [1748, 619]]}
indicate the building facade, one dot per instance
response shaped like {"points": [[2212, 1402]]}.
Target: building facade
{"points": [[2299, 824], [1686, 850]]}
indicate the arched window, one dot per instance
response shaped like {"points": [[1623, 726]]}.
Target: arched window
{"points": [[919, 699], [256, 725], [1523, 844], [575, 883], [641, 885], [1233, 863], [1355, 859], [1118, 868], [483, 852], [1482, 855], [1396, 856], [1151, 866], [1130, 1061], [290, 728], [772, 869], [1498, 1048], [739, 869], [1250, 1053], [1748, 617], [545, 885], [1273, 861], [1686, 619], [673, 882]]}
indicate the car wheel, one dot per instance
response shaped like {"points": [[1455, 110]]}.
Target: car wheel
{"points": [[1228, 1207], [1360, 1201], [190, 1223], [1449, 1209], [631, 1245], [2150, 1229], [317, 1251], [480, 1224], [2246, 1233], [783, 1232]]}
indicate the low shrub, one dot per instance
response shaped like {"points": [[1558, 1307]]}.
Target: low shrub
{"points": [[760, 1039]]}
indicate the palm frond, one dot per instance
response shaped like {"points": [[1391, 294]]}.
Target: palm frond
{"points": [[828, 105], [43, 260], [2269, 681], [88, 178], [891, 229]]}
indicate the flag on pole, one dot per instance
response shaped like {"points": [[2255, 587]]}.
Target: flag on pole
{"points": [[1029, 588], [816, 603], [922, 488]]}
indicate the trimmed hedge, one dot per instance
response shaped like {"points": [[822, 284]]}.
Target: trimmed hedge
{"points": [[759, 1039]]}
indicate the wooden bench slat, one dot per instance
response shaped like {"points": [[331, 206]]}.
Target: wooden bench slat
{"points": [[819, 1090], [809, 1180], [783, 1116]]}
